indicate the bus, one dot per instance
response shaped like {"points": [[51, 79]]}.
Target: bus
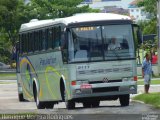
{"points": [[69, 60]]}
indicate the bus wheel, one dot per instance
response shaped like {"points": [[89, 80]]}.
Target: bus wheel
{"points": [[49, 105], [124, 100], [20, 97], [87, 104], [40, 105], [70, 104], [95, 104]]}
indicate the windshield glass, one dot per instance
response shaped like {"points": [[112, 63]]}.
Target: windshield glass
{"points": [[97, 43]]}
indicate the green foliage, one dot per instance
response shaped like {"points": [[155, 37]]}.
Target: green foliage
{"points": [[150, 26], [153, 82], [5, 46], [8, 27], [149, 6], [47, 9], [13, 13], [152, 98], [8, 13]]}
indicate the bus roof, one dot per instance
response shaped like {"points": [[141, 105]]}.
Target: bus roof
{"points": [[77, 18]]}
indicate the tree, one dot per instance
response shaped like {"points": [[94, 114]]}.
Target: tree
{"points": [[49, 9], [8, 33], [13, 13], [149, 27], [149, 6]]}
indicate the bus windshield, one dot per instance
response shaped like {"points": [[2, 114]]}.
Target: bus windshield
{"points": [[100, 43]]}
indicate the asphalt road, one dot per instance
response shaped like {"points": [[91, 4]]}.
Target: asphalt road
{"points": [[108, 109]]}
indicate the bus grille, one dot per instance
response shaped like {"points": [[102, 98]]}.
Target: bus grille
{"points": [[104, 71], [105, 89], [110, 81]]}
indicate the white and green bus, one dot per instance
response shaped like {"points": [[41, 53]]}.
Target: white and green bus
{"points": [[68, 60]]}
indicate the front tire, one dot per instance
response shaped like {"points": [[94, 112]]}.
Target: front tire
{"points": [[124, 100]]}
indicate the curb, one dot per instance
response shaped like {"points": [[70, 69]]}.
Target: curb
{"points": [[137, 101], [150, 85]]}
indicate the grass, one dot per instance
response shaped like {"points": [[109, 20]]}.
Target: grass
{"points": [[6, 82], [153, 76], [153, 82], [151, 98], [6, 76]]}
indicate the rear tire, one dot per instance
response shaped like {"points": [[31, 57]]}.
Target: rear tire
{"points": [[124, 100], [49, 105], [20, 97], [40, 105], [95, 104], [70, 104], [87, 104]]}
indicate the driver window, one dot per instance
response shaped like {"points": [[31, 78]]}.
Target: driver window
{"points": [[114, 44]]}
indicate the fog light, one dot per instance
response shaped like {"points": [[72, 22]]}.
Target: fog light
{"points": [[78, 91], [132, 88]]}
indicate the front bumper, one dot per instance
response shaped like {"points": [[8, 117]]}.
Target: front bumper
{"points": [[102, 90]]}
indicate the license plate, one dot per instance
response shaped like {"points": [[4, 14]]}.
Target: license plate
{"points": [[86, 86]]}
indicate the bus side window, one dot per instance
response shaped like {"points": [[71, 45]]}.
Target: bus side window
{"points": [[46, 39], [43, 40], [57, 37], [21, 44], [34, 41], [25, 43], [53, 37], [29, 42], [40, 40], [50, 38], [63, 43]]}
